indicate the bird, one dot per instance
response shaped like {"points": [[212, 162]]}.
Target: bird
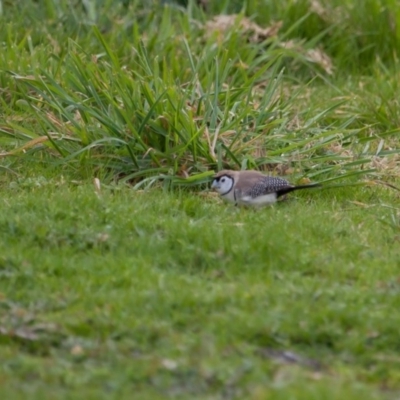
{"points": [[252, 188]]}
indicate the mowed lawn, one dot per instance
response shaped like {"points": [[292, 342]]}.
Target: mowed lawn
{"points": [[155, 294]]}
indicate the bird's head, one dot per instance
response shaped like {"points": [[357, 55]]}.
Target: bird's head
{"points": [[223, 181]]}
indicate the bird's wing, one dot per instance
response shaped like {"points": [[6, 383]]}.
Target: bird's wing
{"points": [[263, 185]]}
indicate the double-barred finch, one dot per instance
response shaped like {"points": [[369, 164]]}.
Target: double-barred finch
{"points": [[252, 188]]}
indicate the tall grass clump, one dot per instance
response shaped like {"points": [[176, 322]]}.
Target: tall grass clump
{"points": [[355, 32], [146, 92]]}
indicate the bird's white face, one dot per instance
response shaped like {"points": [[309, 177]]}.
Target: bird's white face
{"points": [[223, 184]]}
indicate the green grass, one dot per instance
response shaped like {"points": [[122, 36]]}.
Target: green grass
{"points": [[152, 287], [176, 295]]}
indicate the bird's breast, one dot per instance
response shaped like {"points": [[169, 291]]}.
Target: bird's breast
{"points": [[230, 197]]}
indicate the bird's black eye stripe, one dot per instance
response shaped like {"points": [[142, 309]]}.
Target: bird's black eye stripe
{"points": [[219, 178]]}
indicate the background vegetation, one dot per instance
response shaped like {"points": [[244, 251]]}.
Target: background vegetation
{"points": [[107, 290], [135, 90]]}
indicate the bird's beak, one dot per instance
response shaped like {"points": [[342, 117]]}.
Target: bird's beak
{"points": [[214, 184]]}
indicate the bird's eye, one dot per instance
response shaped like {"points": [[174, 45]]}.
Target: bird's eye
{"points": [[223, 180]]}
